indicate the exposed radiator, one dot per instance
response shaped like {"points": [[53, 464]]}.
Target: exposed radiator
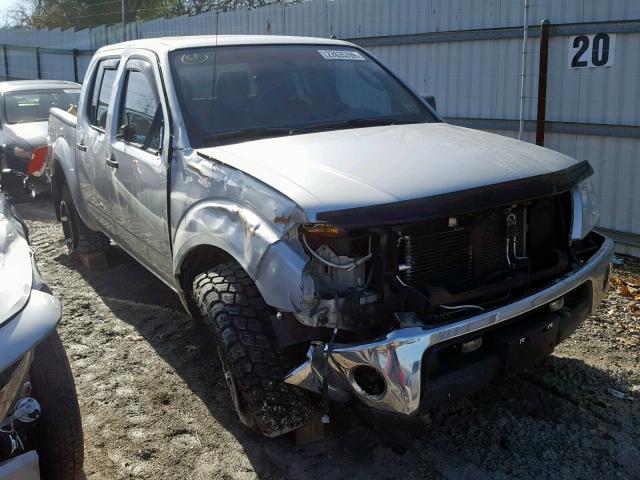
{"points": [[453, 252]]}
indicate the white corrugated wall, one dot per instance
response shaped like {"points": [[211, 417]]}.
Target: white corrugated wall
{"points": [[471, 79]]}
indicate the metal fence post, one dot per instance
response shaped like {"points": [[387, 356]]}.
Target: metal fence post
{"points": [[75, 65], [6, 62], [39, 75], [524, 67], [542, 81]]}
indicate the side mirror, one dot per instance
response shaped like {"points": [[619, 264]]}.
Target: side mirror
{"points": [[126, 132], [431, 100]]}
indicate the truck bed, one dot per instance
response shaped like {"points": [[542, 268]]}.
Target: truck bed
{"points": [[62, 117]]}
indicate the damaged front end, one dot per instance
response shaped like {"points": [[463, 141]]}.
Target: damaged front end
{"points": [[427, 304], [337, 291]]}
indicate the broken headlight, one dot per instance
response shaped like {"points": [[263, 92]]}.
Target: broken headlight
{"points": [[326, 230], [586, 209]]}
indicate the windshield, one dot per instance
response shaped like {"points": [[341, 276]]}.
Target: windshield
{"points": [[34, 105], [234, 93]]}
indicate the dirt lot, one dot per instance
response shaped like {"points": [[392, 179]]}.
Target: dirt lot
{"points": [[155, 404]]}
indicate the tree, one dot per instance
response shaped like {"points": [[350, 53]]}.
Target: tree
{"points": [[90, 13], [193, 7]]}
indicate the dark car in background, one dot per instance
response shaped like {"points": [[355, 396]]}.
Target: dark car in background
{"points": [[24, 113]]}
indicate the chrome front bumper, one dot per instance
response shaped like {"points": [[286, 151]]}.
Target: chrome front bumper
{"points": [[398, 357]]}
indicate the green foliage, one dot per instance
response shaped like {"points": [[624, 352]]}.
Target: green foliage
{"points": [[90, 13]]}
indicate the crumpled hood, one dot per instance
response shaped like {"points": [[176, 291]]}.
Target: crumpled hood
{"points": [[344, 169], [34, 134], [16, 274]]}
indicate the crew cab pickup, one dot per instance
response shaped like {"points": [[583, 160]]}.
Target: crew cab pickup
{"points": [[339, 238]]}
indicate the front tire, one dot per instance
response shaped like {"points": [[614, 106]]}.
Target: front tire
{"points": [[58, 435], [253, 364], [77, 236]]}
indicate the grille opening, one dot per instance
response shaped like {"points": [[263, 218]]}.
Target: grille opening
{"points": [[485, 255]]}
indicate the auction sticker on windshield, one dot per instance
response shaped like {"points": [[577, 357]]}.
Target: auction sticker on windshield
{"points": [[340, 55]]}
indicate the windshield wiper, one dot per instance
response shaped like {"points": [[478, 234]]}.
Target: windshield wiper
{"points": [[355, 123], [250, 133], [265, 132]]}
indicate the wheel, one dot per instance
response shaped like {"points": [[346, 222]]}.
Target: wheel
{"points": [[58, 435], [254, 366], [77, 236]]}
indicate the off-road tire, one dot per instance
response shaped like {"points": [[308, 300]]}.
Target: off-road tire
{"points": [[253, 364], [58, 435], [78, 237]]}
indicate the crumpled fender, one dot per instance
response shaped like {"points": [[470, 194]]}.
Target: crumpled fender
{"points": [[242, 217], [225, 225], [271, 262]]}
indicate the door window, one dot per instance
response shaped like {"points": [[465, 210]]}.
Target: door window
{"points": [[101, 96], [140, 118], [103, 99]]}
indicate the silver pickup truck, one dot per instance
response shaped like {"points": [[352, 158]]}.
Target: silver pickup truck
{"points": [[340, 240]]}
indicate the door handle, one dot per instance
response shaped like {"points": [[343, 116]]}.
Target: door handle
{"points": [[112, 162], [81, 147]]}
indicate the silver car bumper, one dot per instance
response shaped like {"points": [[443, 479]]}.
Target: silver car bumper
{"points": [[398, 357], [22, 467]]}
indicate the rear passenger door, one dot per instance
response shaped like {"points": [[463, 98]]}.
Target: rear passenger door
{"points": [[138, 163], [92, 141]]}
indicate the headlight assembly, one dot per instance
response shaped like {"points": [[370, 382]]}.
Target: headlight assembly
{"points": [[326, 230], [586, 209]]}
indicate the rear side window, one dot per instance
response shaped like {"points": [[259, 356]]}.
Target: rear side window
{"points": [[141, 112], [101, 94], [33, 105]]}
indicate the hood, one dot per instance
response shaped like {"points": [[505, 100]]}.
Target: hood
{"points": [[16, 274], [34, 134], [346, 169]]}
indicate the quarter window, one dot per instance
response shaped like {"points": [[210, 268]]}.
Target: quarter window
{"points": [[140, 118]]}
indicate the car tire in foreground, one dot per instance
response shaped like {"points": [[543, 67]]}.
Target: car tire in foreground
{"points": [[58, 435]]}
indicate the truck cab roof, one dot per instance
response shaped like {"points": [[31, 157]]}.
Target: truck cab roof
{"points": [[176, 43]]}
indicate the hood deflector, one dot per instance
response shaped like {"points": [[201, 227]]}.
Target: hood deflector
{"points": [[463, 201]]}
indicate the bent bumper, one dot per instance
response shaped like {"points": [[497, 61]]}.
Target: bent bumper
{"points": [[405, 358]]}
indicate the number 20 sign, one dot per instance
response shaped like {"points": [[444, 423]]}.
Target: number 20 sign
{"points": [[592, 50]]}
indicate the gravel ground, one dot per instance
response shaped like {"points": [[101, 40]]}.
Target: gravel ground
{"points": [[155, 404]]}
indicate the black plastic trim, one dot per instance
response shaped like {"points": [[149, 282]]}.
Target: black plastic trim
{"points": [[463, 201]]}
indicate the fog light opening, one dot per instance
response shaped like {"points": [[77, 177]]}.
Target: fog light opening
{"points": [[557, 304], [369, 381]]}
